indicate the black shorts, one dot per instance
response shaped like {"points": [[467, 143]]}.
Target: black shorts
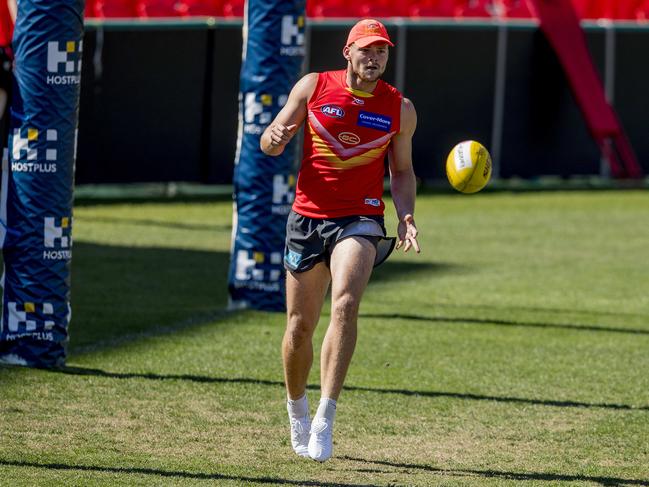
{"points": [[310, 240]]}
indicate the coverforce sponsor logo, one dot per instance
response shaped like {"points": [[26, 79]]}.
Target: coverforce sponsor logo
{"points": [[292, 35], [57, 238], [26, 157], [374, 121], [258, 270], [333, 111], [292, 258], [64, 62], [349, 138]]}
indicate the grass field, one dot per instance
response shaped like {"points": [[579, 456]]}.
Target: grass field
{"points": [[514, 350]]}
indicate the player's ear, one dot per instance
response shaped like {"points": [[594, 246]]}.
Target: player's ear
{"points": [[346, 54]]}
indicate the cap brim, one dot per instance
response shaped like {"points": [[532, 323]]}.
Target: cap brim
{"points": [[366, 41]]}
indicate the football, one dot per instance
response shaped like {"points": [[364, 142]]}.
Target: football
{"points": [[468, 166]]}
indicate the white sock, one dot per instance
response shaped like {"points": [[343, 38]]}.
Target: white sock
{"points": [[298, 408], [326, 409]]}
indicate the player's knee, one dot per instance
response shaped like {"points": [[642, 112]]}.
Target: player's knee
{"points": [[298, 329], [345, 307]]}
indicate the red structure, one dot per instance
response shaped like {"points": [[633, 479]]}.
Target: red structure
{"points": [[560, 24]]}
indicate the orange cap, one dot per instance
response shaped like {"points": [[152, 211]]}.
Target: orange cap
{"points": [[368, 31]]}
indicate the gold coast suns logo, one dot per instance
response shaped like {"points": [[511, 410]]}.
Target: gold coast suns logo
{"points": [[349, 138]]}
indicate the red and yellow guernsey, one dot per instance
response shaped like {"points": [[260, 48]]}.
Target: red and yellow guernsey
{"points": [[347, 135]]}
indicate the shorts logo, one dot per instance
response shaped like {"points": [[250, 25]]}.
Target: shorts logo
{"points": [[373, 201], [64, 62], [292, 259], [333, 111], [349, 138], [374, 121]]}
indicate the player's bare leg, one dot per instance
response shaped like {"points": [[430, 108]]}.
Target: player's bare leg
{"points": [[305, 293], [352, 260]]}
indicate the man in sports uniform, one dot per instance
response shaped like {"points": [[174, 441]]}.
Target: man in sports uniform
{"points": [[335, 233]]}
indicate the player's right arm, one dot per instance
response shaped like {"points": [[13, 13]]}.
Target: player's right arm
{"points": [[291, 116]]}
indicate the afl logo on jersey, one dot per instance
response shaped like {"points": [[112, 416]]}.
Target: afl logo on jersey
{"points": [[333, 111], [349, 138]]}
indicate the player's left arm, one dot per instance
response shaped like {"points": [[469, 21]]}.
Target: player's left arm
{"points": [[11, 4], [403, 184]]}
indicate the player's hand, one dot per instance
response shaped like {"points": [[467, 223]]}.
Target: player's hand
{"points": [[280, 135], [407, 232]]}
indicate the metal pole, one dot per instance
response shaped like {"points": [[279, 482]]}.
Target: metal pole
{"points": [[499, 98], [609, 81], [400, 75]]}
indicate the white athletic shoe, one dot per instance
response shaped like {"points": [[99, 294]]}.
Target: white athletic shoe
{"points": [[300, 428], [321, 442]]}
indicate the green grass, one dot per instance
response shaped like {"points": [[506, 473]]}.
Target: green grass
{"points": [[511, 351]]}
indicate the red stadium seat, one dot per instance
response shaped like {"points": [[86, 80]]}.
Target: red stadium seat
{"points": [[642, 11], [383, 8], [626, 10], [432, 8], [161, 8], [333, 8], [89, 10], [475, 8], [517, 9], [213, 8], [586, 9], [114, 8], [233, 8]]}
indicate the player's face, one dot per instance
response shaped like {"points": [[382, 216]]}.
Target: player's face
{"points": [[368, 63]]}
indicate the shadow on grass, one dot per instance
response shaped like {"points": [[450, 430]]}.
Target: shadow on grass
{"points": [[490, 474], [174, 474], [538, 309], [393, 269], [142, 222], [156, 193], [490, 321], [495, 474], [122, 291], [71, 370]]}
